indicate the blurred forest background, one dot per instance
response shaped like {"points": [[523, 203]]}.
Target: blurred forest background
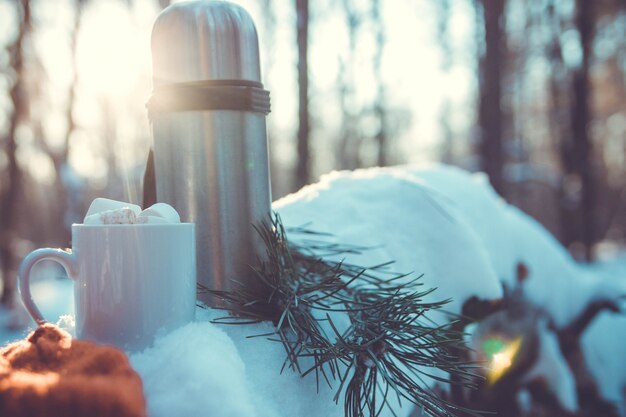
{"points": [[531, 92]]}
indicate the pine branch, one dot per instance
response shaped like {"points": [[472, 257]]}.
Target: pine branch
{"points": [[385, 351]]}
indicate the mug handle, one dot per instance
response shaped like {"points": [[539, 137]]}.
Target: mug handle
{"points": [[65, 258]]}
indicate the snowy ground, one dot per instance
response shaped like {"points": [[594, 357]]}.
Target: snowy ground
{"points": [[437, 221]]}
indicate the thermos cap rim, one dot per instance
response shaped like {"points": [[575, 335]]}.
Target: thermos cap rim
{"points": [[239, 95]]}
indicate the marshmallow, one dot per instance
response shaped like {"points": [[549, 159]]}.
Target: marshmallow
{"points": [[93, 219], [151, 220], [160, 210], [100, 205], [105, 211], [123, 215]]}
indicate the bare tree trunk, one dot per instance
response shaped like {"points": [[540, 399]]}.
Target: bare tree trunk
{"points": [[559, 117], [68, 199], [64, 189], [582, 149], [570, 117], [71, 123], [60, 157], [281, 183], [8, 200], [347, 149], [350, 139], [379, 107], [303, 170], [490, 111]]}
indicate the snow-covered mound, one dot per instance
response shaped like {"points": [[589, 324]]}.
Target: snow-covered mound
{"points": [[402, 219], [450, 226]]}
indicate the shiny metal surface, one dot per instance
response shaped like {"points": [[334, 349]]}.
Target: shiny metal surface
{"points": [[212, 166], [204, 40]]}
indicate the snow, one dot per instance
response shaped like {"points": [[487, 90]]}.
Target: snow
{"points": [[188, 355], [604, 346], [401, 218], [452, 227], [275, 394], [438, 221], [54, 296], [552, 368], [556, 282]]}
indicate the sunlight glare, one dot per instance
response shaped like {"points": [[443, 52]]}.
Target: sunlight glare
{"points": [[502, 358], [85, 158], [107, 61]]}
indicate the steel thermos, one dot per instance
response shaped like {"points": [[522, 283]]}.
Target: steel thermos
{"points": [[208, 112]]}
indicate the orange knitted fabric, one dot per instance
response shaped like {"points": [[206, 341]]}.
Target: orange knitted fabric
{"points": [[51, 375]]}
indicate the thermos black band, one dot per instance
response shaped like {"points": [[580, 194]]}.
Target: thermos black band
{"points": [[240, 95]]}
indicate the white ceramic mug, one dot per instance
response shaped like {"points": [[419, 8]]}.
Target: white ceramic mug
{"points": [[131, 281]]}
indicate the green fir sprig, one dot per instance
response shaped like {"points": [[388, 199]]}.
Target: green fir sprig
{"points": [[386, 350]]}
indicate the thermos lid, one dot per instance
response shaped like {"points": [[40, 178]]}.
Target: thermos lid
{"points": [[204, 40], [205, 56]]}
